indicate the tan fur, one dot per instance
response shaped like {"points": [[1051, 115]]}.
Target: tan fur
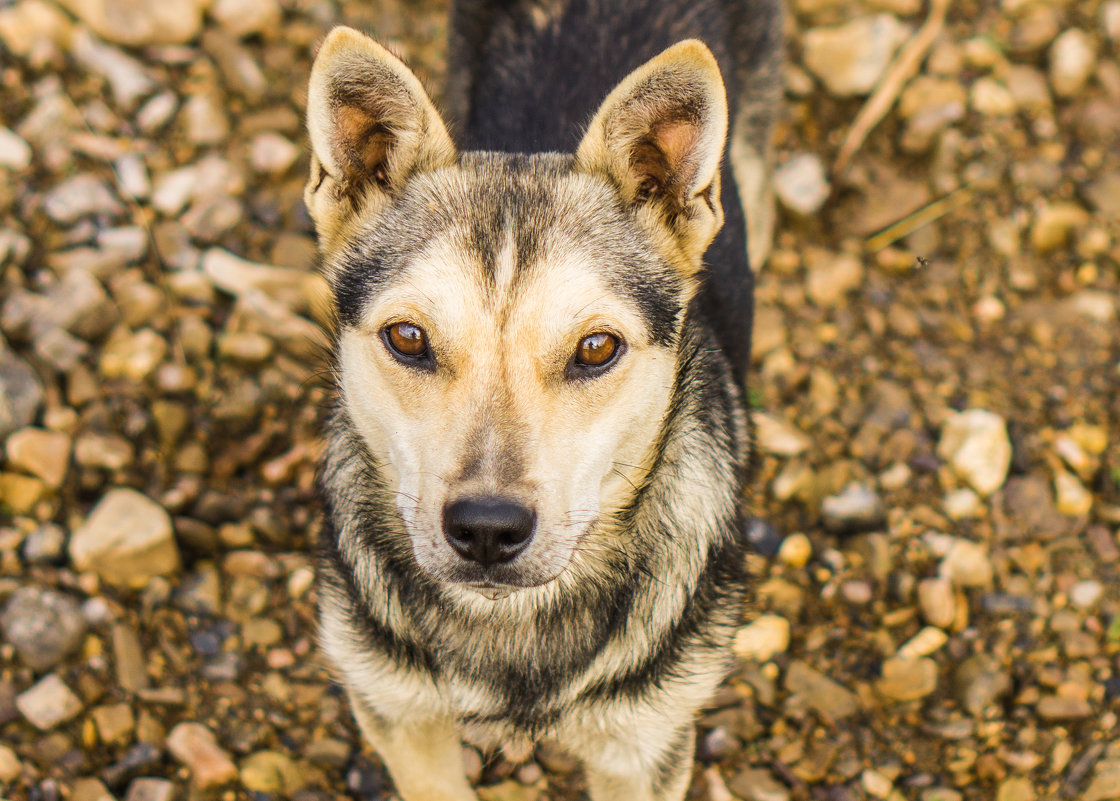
{"points": [[367, 116], [656, 108]]}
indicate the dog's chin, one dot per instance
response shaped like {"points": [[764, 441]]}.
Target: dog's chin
{"points": [[496, 582]]}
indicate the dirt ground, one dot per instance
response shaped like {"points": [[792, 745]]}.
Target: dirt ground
{"points": [[937, 378]]}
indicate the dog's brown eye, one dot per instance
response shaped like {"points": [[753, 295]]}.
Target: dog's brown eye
{"points": [[408, 340], [596, 350]]}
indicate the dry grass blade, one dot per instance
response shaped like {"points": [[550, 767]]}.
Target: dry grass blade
{"points": [[923, 216]]}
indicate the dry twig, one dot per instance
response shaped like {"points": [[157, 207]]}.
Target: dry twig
{"points": [[907, 63]]}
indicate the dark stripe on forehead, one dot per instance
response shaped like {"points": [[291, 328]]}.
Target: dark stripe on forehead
{"points": [[498, 195]]}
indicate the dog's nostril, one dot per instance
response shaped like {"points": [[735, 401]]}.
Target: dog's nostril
{"points": [[488, 530]]}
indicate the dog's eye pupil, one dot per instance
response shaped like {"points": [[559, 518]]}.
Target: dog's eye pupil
{"points": [[407, 339], [596, 349]]}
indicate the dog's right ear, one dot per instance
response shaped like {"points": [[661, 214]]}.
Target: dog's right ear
{"points": [[371, 125]]}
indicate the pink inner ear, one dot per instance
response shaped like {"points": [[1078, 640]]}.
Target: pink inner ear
{"points": [[364, 144], [676, 141]]}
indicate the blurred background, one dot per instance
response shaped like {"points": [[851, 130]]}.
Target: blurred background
{"points": [[938, 385]]}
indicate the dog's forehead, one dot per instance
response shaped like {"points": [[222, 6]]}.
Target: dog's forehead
{"points": [[497, 222]]}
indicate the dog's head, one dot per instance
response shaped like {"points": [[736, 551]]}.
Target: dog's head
{"points": [[508, 324]]}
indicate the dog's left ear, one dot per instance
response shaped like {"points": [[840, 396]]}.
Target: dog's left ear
{"points": [[659, 136], [371, 125]]}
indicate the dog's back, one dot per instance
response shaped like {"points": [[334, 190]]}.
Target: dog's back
{"points": [[525, 76]]}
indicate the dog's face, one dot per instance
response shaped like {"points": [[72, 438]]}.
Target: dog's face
{"points": [[508, 324]]}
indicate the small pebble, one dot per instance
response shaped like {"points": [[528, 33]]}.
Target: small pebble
{"points": [[1086, 594], [1073, 57], [763, 639], [856, 508], [15, 153], [908, 679], [196, 747], [49, 703], [44, 626], [796, 550], [801, 184]]}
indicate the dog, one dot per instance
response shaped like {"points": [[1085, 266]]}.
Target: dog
{"points": [[534, 472]]}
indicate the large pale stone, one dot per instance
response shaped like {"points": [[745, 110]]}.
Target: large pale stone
{"points": [[48, 703], [850, 59], [127, 540], [138, 23], [975, 443], [44, 454]]}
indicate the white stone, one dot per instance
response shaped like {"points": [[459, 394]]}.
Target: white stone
{"points": [[132, 176], [801, 184], [29, 26], [967, 565], [48, 703], [1072, 498], [173, 190], [927, 641], [830, 276], [127, 540], [78, 197], [237, 276], [271, 153], [195, 746], [139, 23], [246, 17], [257, 312], [962, 503], [157, 112], [128, 81], [876, 784], [760, 641], [991, 98], [975, 444], [1094, 304], [1075, 456], [10, 766], [15, 154], [1085, 594], [777, 437], [850, 59], [895, 477], [1110, 19], [1073, 57]]}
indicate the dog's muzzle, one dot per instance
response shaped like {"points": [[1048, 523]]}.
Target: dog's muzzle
{"points": [[488, 530]]}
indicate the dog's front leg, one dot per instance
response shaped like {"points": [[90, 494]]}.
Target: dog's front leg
{"points": [[424, 758], [627, 769]]}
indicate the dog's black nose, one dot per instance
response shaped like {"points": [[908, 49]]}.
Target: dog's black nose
{"points": [[488, 530]]}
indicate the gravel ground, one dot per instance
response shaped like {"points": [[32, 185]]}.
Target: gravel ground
{"points": [[938, 613]]}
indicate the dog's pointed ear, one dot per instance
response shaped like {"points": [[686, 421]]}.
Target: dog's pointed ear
{"points": [[659, 136], [371, 125]]}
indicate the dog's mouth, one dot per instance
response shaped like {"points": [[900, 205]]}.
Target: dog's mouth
{"points": [[493, 592], [497, 582]]}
